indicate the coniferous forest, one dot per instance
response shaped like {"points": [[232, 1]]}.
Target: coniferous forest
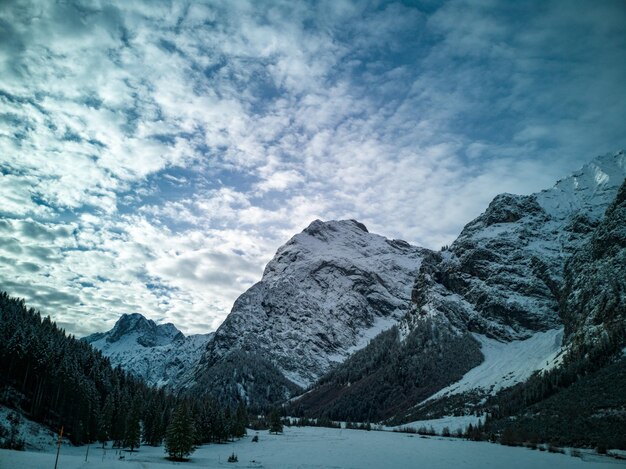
{"points": [[60, 381]]}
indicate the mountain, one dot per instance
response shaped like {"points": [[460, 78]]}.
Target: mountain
{"points": [[378, 329], [160, 354], [496, 290], [503, 274], [580, 402], [324, 295]]}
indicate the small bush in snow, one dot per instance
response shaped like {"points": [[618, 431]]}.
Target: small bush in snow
{"points": [[555, 449]]}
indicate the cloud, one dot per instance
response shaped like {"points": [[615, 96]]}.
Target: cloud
{"points": [[280, 180], [153, 156]]}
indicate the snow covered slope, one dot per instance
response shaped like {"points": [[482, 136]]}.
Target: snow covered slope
{"points": [[35, 436], [508, 363], [160, 354], [325, 294]]}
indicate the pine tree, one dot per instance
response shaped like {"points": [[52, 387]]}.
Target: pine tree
{"points": [[104, 421], [228, 424], [132, 434], [276, 426], [219, 429], [179, 442], [205, 417], [118, 426], [241, 421]]}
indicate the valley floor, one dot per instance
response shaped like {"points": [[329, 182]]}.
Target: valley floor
{"points": [[319, 448]]}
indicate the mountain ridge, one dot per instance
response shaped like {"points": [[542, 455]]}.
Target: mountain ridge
{"points": [[333, 288], [500, 281]]}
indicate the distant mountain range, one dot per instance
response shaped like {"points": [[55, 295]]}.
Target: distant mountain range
{"points": [[379, 329], [160, 354]]}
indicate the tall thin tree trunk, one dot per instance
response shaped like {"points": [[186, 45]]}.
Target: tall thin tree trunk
{"points": [[26, 377]]}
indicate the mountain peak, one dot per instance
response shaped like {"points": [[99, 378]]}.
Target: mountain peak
{"points": [[135, 327], [159, 353], [590, 189], [319, 228], [325, 293], [328, 241], [129, 323], [132, 321]]}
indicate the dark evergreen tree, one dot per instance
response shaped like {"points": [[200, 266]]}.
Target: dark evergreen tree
{"points": [[219, 429], [241, 421], [132, 433], [179, 442], [276, 425], [120, 418], [105, 417], [229, 424], [205, 421], [153, 417]]}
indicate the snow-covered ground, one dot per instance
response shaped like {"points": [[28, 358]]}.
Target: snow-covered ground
{"points": [[508, 363], [36, 436], [319, 448]]}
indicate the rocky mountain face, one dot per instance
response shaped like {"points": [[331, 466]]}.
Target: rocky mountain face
{"points": [[593, 300], [160, 354], [503, 275], [325, 294], [500, 283], [547, 407]]}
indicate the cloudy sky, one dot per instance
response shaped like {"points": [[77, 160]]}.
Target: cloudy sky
{"points": [[153, 156]]}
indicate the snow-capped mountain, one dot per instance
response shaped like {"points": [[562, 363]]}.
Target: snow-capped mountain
{"points": [[472, 319], [499, 283], [502, 276], [327, 292], [160, 354]]}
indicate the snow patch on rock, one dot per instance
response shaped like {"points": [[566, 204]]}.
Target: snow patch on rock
{"points": [[508, 363], [591, 189]]}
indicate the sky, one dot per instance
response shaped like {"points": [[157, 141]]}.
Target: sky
{"points": [[154, 155]]}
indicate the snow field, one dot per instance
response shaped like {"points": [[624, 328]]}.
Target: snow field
{"points": [[508, 363], [309, 448]]}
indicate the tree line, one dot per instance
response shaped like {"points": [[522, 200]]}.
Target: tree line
{"points": [[389, 375], [60, 381]]}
